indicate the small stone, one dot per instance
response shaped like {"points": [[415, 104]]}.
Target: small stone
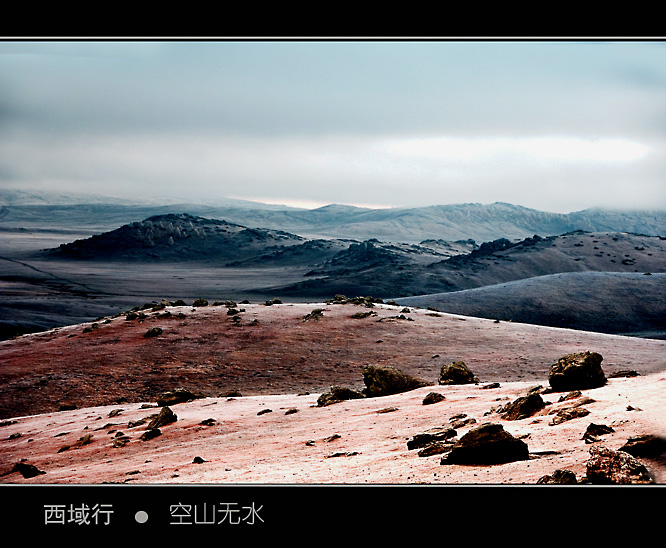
{"points": [[164, 417], [150, 434], [561, 477], [433, 397]]}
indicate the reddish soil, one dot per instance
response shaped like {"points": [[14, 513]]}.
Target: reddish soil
{"points": [[283, 361]]}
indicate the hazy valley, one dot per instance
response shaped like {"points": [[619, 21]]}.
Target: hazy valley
{"points": [[593, 270]]}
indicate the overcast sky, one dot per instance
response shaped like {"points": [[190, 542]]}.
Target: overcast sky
{"points": [[553, 125]]}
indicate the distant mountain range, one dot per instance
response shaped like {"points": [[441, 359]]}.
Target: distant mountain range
{"points": [[479, 222], [591, 270]]}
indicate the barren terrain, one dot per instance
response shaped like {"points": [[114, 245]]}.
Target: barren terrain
{"points": [[280, 358]]}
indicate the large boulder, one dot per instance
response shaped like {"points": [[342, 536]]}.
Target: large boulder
{"points": [[487, 444], [578, 371], [457, 373], [606, 466], [386, 380]]}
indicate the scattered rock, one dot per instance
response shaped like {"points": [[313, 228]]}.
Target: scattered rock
{"points": [[560, 477], [430, 436], [570, 396], [208, 422], [568, 414], [457, 373], [647, 446], [264, 411], [387, 410], [577, 371], [120, 441], [153, 332], [487, 444], [150, 434], [342, 454], [624, 373], [231, 394], [315, 315], [332, 437], [291, 411], [198, 460], [491, 385], [523, 407], [436, 448], [433, 397], [164, 417], [27, 470], [593, 432], [386, 380], [606, 466], [178, 395], [338, 394]]}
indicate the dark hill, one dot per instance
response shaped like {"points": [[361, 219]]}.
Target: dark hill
{"points": [[605, 302], [178, 237], [495, 262]]}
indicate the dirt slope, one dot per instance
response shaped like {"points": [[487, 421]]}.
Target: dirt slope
{"points": [[282, 362]]}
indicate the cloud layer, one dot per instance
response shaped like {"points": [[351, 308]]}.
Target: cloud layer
{"points": [[558, 126]]}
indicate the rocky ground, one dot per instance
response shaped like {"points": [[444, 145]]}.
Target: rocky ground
{"points": [[76, 402]]}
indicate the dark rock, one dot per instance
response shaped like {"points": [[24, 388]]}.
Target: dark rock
{"points": [[27, 470], [150, 434], [198, 460], [178, 395], [577, 371], [164, 417], [264, 411], [487, 444], [433, 397], [560, 477], [606, 466], [153, 332], [457, 373], [648, 446], [430, 436], [231, 394], [564, 415], [593, 432], [386, 380], [436, 448], [523, 407], [338, 394], [463, 422], [624, 373]]}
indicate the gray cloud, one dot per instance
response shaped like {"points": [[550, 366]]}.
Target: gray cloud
{"points": [[311, 120]]}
